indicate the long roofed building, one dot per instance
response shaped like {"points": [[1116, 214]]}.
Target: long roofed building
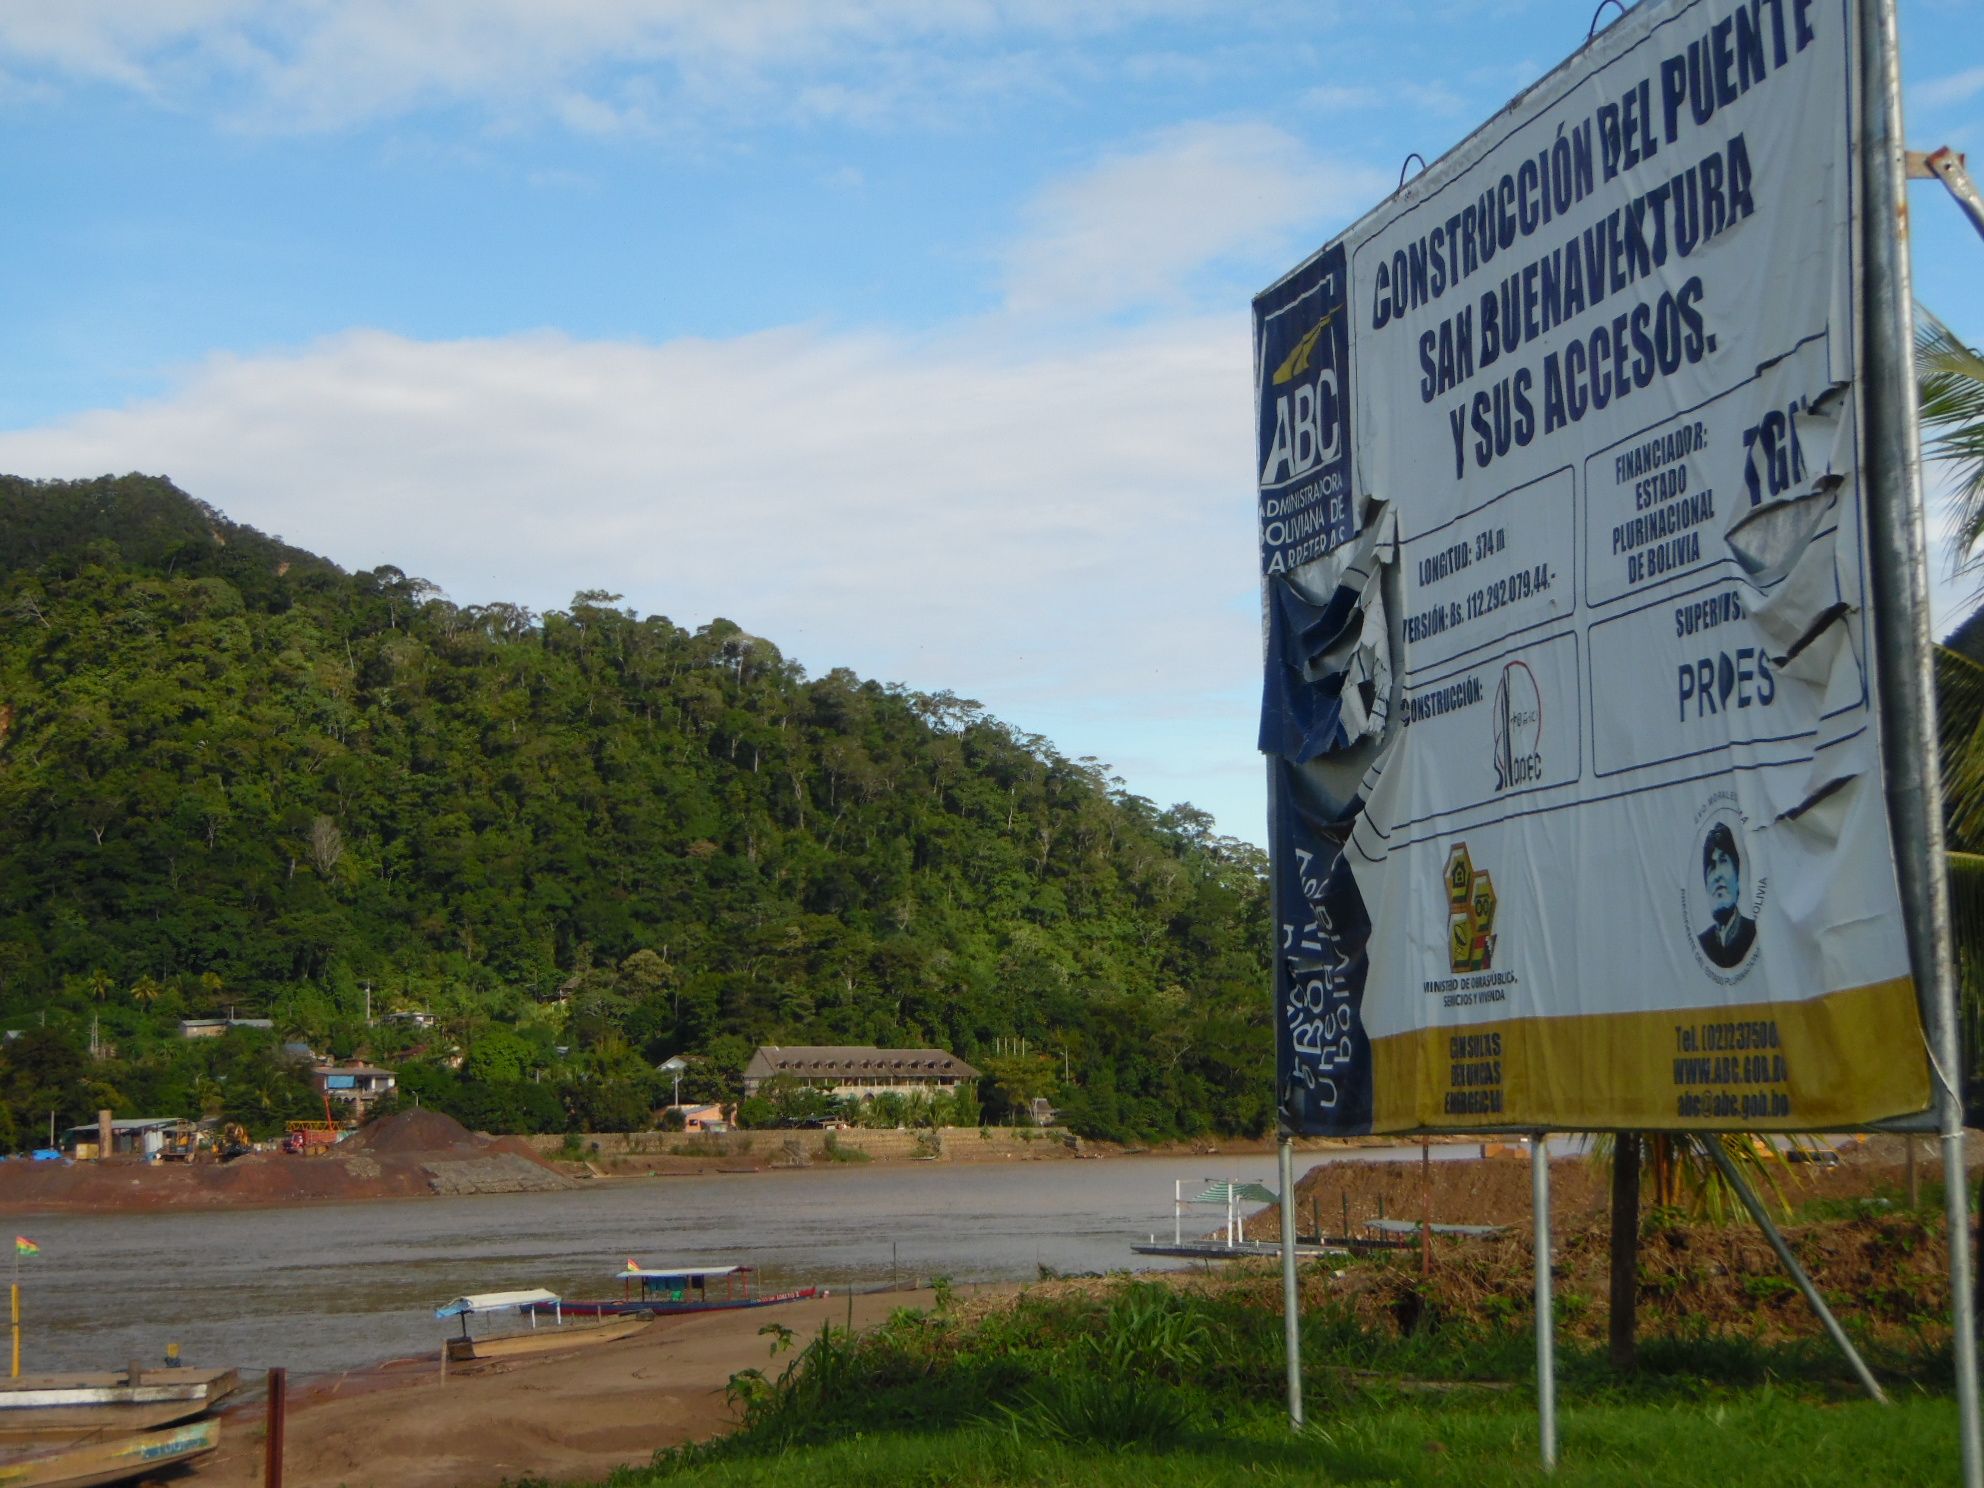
{"points": [[862, 1071]]}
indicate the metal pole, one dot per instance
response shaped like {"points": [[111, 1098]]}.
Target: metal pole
{"points": [[1946, 165], [1777, 1243], [1425, 1207], [1546, 1341], [272, 1448], [1291, 1315], [1898, 572], [14, 1297]]}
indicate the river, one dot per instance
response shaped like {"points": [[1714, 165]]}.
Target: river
{"points": [[335, 1286]]}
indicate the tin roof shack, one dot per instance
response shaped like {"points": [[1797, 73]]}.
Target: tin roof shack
{"points": [[861, 1072], [707, 1117], [147, 1138], [355, 1086], [194, 1028]]}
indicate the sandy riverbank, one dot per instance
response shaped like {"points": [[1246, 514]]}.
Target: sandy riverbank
{"points": [[422, 1153], [413, 1154], [565, 1416]]}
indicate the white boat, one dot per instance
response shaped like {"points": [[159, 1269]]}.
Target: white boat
{"points": [[46, 1408]]}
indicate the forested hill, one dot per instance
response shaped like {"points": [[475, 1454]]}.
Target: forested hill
{"points": [[232, 775]]}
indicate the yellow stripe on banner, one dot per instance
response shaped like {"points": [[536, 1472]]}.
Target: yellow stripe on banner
{"points": [[1840, 1060]]}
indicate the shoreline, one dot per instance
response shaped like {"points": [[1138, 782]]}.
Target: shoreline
{"points": [[478, 1164], [401, 1423]]}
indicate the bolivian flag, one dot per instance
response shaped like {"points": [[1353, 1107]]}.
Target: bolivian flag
{"points": [[25, 1247]]}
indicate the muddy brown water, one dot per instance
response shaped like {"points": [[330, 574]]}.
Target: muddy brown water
{"points": [[330, 1287]]}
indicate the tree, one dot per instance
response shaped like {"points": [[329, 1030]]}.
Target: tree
{"points": [[145, 992]]}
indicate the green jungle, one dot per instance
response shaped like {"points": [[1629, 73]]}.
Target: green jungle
{"points": [[236, 780]]}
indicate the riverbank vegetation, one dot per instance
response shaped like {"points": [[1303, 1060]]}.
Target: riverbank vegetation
{"points": [[1409, 1379], [235, 777]]}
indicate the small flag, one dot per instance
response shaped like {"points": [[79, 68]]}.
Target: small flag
{"points": [[25, 1246], [631, 1266]]}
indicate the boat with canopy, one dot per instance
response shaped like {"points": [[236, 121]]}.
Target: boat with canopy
{"points": [[533, 1304], [657, 1291]]}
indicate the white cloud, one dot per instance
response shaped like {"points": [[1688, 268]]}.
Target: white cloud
{"points": [[279, 64], [1957, 88], [1065, 535], [1134, 229]]}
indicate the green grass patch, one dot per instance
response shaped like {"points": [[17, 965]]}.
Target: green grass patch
{"points": [[1764, 1437], [1144, 1385]]}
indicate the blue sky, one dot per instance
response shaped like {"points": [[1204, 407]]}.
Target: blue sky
{"points": [[911, 334]]}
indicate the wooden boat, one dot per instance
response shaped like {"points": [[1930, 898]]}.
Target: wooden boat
{"points": [[656, 1291], [112, 1459], [45, 1408], [536, 1340]]}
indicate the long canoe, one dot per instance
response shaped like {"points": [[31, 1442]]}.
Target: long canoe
{"points": [[62, 1407], [119, 1459], [661, 1306], [660, 1291], [540, 1340]]}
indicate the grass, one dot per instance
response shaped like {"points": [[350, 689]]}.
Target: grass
{"points": [[1138, 1384], [1765, 1437]]}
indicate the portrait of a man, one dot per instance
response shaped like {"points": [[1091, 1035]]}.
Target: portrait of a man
{"points": [[1730, 934]]}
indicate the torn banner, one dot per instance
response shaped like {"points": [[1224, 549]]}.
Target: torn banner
{"points": [[1569, 702]]}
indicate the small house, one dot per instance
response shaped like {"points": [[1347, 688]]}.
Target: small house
{"points": [[354, 1085], [144, 1137], [702, 1118]]}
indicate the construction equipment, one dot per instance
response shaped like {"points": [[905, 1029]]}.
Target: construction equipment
{"points": [[308, 1138]]}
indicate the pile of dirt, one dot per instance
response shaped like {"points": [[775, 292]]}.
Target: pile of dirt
{"points": [[1888, 1271], [1888, 1275], [415, 1131], [400, 1156], [1484, 1190]]}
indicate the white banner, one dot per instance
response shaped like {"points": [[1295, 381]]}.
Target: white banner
{"points": [[1623, 850]]}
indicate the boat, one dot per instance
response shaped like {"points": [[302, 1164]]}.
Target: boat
{"points": [[46, 1408], [535, 1340], [111, 1459], [659, 1291]]}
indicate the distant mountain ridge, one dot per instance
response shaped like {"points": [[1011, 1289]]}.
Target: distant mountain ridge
{"points": [[236, 774]]}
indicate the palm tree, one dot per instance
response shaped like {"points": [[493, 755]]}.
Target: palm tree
{"points": [[1950, 388], [145, 991]]}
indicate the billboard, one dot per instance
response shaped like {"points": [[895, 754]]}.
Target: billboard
{"points": [[1569, 701]]}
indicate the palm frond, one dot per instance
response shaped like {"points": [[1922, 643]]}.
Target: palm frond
{"points": [[1960, 723], [1950, 394]]}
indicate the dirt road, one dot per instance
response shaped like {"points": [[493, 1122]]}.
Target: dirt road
{"points": [[576, 1415]]}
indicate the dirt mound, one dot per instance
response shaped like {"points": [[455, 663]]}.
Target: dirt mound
{"points": [[1492, 1190], [416, 1131], [1888, 1275], [402, 1156]]}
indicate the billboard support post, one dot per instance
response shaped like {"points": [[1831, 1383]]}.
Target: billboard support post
{"points": [[1546, 1320], [1899, 572], [1291, 1315], [1720, 1156]]}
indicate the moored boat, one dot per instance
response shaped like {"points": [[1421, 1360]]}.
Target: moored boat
{"points": [[656, 1291], [59, 1407], [534, 1340], [94, 1462]]}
